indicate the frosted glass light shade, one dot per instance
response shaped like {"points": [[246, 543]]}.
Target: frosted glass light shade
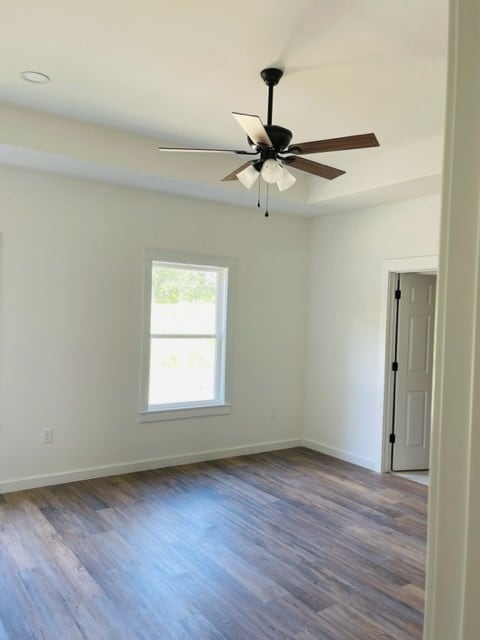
{"points": [[271, 171], [286, 181], [248, 176]]}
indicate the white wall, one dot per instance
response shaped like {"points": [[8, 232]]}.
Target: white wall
{"points": [[70, 323], [346, 315]]}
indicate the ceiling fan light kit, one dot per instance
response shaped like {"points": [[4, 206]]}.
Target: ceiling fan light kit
{"points": [[286, 181], [271, 144], [248, 176], [271, 171]]}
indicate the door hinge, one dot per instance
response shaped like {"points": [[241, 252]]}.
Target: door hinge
{"points": [[398, 294], [394, 366], [392, 438]]}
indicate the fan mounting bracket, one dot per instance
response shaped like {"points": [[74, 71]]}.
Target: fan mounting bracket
{"points": [[271, 76]]}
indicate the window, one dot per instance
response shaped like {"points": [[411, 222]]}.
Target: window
{"points": [[185, 342]]}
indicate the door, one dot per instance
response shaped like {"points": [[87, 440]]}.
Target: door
{"points": [[413, 376]]}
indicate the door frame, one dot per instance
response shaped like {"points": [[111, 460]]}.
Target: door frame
{"points": [[392, 267]]}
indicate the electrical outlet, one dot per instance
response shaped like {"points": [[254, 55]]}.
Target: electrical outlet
{"points": [[47, 436]]}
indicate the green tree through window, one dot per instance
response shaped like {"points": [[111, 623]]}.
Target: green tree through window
{"points": [[171, 286]]}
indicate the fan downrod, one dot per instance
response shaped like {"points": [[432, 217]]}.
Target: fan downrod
{"points": [[271, 77]]}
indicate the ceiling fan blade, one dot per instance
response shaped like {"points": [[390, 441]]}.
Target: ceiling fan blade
{"points": [[322, 170], [335, 144], [195, 150], [253, 127], [233, 175]]}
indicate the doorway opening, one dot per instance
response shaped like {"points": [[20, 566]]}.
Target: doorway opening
{"points": [[409, 373]]}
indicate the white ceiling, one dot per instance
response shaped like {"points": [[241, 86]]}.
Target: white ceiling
{"points": [[151, 72]]}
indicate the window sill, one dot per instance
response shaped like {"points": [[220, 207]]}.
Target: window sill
{"points": [[182, 414]]}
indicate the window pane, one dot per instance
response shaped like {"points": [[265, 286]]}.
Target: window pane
{"points": [[183, 300], [181, 370]]}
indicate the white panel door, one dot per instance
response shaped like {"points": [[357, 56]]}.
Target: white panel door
{"points": [[413, 393]]}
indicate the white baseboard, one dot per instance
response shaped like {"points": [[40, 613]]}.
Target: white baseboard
{"points": [[33, 482], [341, 454]]}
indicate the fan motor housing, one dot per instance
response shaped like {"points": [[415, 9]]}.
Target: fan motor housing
{"points": [[279, 136]]}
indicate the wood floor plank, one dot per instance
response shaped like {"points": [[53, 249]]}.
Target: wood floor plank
{"points": [[288, 545]]}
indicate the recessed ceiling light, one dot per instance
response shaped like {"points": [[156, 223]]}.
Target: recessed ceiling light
{"points": [[35, 76]]}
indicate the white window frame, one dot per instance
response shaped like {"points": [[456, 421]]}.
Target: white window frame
{"points": [[221, 403]]}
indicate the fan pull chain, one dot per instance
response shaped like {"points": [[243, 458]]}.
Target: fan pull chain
{"points": [[258, 199], [266, 204]]}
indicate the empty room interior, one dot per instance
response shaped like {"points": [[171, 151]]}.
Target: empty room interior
{"points": [[239, 267]]}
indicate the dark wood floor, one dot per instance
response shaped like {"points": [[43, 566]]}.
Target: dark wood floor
{"points": [[291, 544]]}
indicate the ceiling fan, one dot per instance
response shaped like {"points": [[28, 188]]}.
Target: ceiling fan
{"points": [[271, 144]]}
